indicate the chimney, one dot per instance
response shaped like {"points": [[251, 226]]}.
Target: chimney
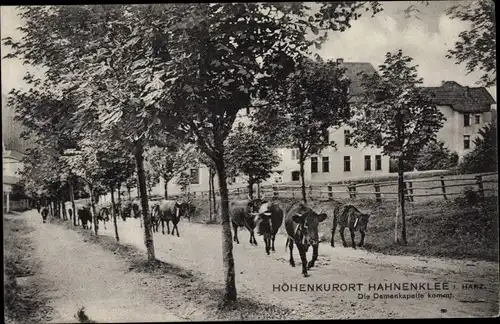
{"points": [[340, 60]]}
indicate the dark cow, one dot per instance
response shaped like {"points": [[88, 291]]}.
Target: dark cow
{"points": [[85, 216], [301, 224], [353, 219], [268, 222], [170, 210], [45, 213], [242, 213], [136, 208], [38, 207]]}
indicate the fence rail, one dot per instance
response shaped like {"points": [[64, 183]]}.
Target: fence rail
{"points": [[443, 187]]}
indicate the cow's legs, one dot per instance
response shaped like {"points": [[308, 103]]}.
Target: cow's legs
{"points": [[362, 241], [314, 257], [168, 226], [352, 238], [175, 228], [342, 236], [333, 231], [253, 241], [235, 239], [274, 238], [303, 258], [163, 226], [290, 245]]}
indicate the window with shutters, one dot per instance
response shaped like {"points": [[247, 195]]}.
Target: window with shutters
{"points": [[314, 164], [326, 164], [368, 163], [466, 142], [295, 175], [378, 162], [347, 163], [195, 176], [466, 120]]}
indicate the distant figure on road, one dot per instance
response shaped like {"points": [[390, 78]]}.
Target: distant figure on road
{"points": [[38, 206], [45, 213]]}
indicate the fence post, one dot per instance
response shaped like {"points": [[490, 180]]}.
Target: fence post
{"points": [[480, 185], [410, 190], [275, 191], [330, 193], [377, 192], [443, 187], [352, 191]]}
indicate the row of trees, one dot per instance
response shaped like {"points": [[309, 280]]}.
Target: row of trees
{"points": [[129, 83]]}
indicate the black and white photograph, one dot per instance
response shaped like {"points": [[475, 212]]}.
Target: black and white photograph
{"points": [[213, 161]]}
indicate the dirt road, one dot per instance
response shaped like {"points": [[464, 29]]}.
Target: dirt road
{"points": [[258, 275], [76, 274]]}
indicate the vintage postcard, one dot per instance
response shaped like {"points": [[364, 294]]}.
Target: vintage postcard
{"points": [[167, 162]]}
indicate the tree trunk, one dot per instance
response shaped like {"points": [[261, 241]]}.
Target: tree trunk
{"points": [[213, 194], [250, 189], [165, 186], [148, 237], [227, 239], [94, 212], [401, 204], [129, 195], [113, 208], [302, 178], [63, 208], [210, 193], [72, 198], [120, 200]]}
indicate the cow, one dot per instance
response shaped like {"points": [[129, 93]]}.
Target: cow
{"points": [[268, 222], [301, 224], [85, 216], [155, 220], [103, 214], [136, 208], [38, 206], [353, 219], [45, 213], [242, 213], [126, 209], [170, 210]]}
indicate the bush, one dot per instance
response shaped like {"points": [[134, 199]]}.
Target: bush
{"points": [[469, 197], [484, 156], [435, 156]]}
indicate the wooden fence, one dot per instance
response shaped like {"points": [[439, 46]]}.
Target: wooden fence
{"points": [[438, 187]]}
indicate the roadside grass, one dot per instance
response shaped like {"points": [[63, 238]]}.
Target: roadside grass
{"points": [[184, 292], [23, 303], [443, 229], [437, 228]]}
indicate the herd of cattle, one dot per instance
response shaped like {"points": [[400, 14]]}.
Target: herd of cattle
{"points": [[266, 217]]}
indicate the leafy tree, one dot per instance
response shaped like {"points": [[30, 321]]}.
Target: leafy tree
{"points": [[184, 181], [167, 162], [249, 154], [304, 108], [477, 46], [435, 156], [483, 158], [192, 65], [117, 167], [396, 115]]}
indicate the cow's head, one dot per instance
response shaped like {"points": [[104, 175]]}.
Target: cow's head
{"points": [[361, 222], [307, 228], [254, 204], [182, 209]]}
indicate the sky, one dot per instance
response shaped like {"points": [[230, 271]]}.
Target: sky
{"points": [[426, 39]]}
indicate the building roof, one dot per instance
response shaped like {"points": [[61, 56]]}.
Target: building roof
{"points": [[460, 98], [353, 71]]}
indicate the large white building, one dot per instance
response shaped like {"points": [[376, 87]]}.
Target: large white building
{"points": [[466, 110]]}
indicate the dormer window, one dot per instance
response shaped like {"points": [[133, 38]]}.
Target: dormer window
{"points": [[477, 119]]}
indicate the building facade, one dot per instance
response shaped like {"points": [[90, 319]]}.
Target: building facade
{"points": [[466, 110]]}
